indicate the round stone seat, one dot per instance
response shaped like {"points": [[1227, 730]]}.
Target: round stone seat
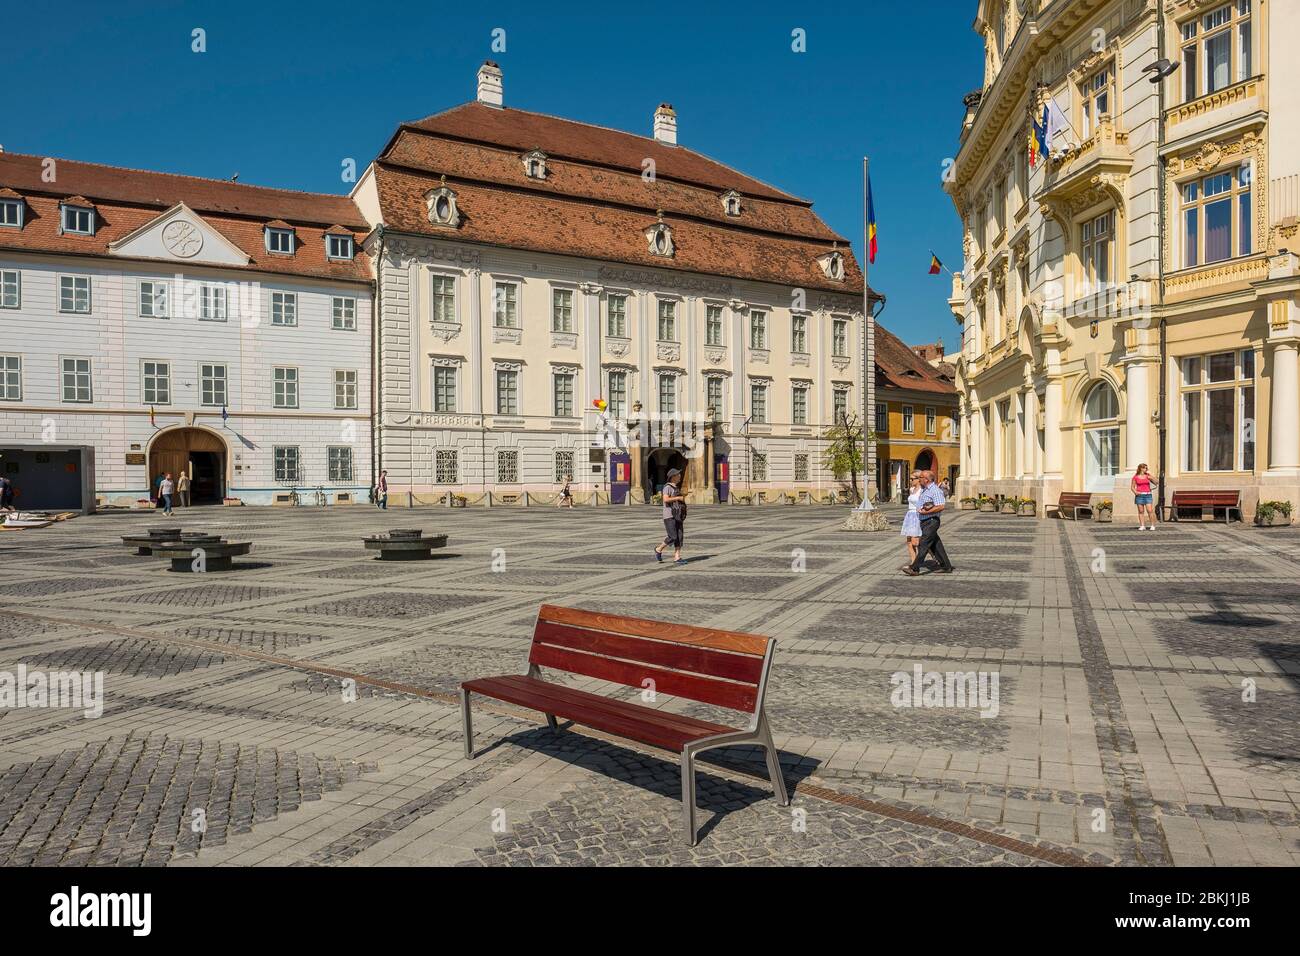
{"points": [[217, 554], [405, 544], [143, 543]]}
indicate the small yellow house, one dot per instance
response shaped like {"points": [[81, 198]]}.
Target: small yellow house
{"points": [[916, 417]]}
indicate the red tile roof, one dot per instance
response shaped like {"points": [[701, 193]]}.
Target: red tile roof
{"points": [[522, 219], [897, 366], [127, 199], [586, 143], [594, 201], [148, 188]]}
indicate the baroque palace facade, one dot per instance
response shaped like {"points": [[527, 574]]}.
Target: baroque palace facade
{"points": [[531, 269], [552, 299], [1132, 296]]}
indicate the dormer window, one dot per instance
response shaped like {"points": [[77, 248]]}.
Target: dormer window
{"points": [[443, 210], [832, 264], [660, 238], [280, 239], [76, 220], [535, 164], [731, 202], [11, 211], [339, 246]]}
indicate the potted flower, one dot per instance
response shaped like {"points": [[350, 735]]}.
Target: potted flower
{"points": [[1104, 509], [1273, 514], [1028, 507], [1009, 506], [986, 504], [968, 504]]}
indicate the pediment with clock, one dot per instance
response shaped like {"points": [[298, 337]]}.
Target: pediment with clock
{"points": [[180, 235]]}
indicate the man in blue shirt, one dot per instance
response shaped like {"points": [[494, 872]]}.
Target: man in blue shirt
{"points": [[930, 504]]}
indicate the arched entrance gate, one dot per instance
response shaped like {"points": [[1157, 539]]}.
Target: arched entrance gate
{"points": [[200, 453]]}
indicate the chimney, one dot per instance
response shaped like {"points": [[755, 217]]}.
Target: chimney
{"points": [[489, 84], [666, 124]]}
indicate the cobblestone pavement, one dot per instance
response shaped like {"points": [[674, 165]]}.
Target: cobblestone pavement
{"points": [[1147, 706]]}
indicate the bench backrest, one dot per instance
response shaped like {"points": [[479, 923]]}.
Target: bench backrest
{"points": [[1206, 499], [726, 668], [1073, 499]]}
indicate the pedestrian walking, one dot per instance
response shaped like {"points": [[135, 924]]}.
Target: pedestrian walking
{"points": [[674, 515], [566, 493], [1141, 485], [381, 491], [183, 488], [166, 488], [6, 494], [911, 530], [930, 504]]}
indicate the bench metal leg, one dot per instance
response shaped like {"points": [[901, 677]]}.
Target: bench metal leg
{"points": [[688, 795], [550, 722], [468, 720], [774, 766]]}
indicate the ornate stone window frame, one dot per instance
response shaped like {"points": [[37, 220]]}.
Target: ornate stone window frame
{"points": [[535, 164], [442, 206], [1206, 159], [731, 203], [659, 239]]}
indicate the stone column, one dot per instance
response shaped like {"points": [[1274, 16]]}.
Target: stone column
{"points": [[1284, 409], [1052, 402], [1138, 391], [1031, 434]]}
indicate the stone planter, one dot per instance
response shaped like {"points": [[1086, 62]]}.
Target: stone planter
{"points": [[1103, 515], [1275, 520], [1008, 508], [966, 506], [988, 507], [1029, 510]]}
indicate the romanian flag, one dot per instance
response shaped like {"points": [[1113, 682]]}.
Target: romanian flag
{"points": [[151, 421], [1033, 145], [1040, 133], [871, 225], [935, 265]]}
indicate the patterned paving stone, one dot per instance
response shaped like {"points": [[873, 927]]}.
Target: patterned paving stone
{"points": [[391, 604], [1224, 595], [1102, 721], [202, 596], [1230, 635], [872, 626], [128, 656], [441, 668], [47, 587], [131, 801], [627, 813], [1265, 732]]}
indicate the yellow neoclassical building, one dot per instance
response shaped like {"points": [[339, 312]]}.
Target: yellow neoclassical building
{"points": [[1131, 296]]}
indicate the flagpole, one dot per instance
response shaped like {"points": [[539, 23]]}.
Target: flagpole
{"points": [[867, 370]]}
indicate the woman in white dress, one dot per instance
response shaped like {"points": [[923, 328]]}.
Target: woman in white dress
{"points": [[911, 530]]}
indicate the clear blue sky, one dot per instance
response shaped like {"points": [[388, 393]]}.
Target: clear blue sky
{"points": [[286, 91]]}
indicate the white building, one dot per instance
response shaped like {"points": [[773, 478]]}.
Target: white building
{"points": [[530, 267], [174, 323]]}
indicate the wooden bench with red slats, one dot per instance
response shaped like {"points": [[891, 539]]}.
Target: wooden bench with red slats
{"points": [[1207, 502], [1072, 502], [726, 668]]}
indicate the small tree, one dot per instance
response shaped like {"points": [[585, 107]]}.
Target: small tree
{"points": [[844, 450]]}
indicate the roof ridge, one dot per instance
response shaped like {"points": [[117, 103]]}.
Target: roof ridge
{"points": [[186, 176], [532, 190], [786, 196]]}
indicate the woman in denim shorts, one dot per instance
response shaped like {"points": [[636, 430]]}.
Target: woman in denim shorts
{"points": [[1141, 485]]}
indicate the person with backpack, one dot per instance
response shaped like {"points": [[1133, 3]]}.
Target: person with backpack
{"points": [[674, 517]]}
